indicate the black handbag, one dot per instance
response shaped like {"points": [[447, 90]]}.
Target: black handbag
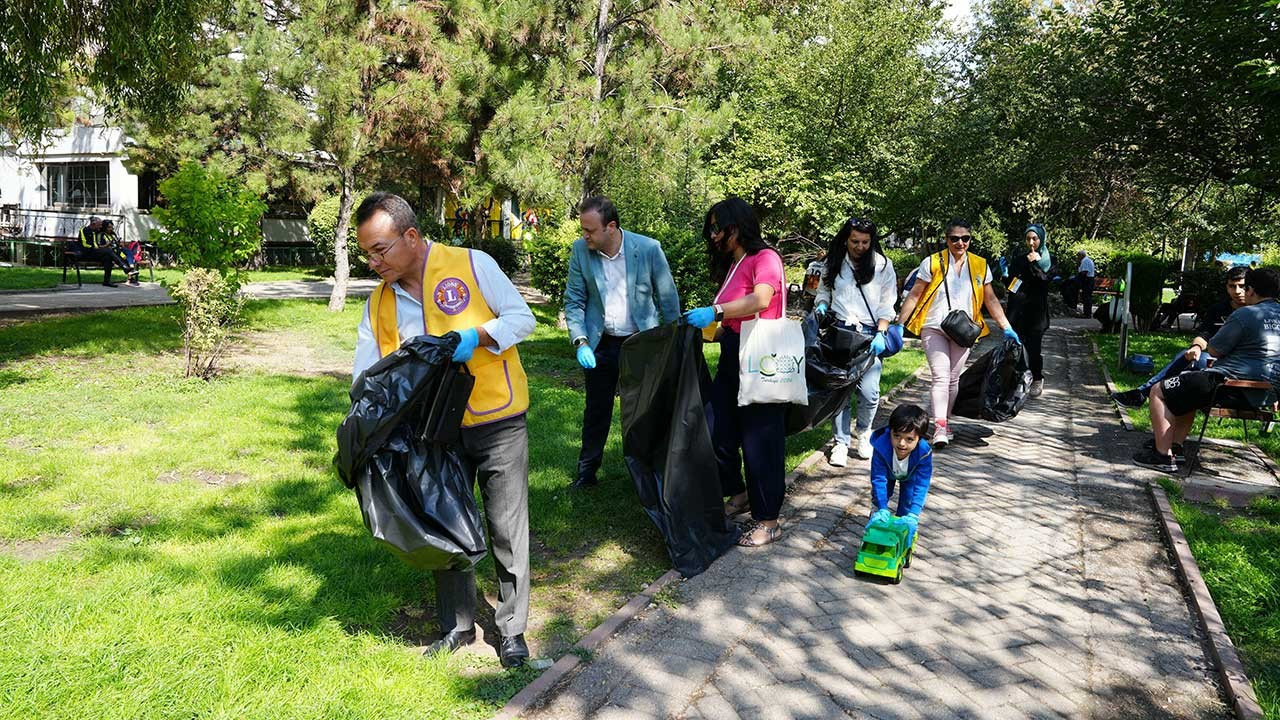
{"points": [[958, 326]]}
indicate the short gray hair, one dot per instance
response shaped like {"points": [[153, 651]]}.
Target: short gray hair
{"points": [[398, 208]]}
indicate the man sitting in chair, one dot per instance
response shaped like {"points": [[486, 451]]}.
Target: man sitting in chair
{"points": [[1246, 348]]}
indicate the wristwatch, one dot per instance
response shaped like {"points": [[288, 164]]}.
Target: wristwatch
{"points": [[719, 312]]}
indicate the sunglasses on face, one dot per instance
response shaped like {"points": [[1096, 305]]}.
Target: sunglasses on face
{"points": [[959, 238]]}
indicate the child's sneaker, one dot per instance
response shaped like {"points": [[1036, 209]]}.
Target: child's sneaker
{"points": [[941, 435], [864, 445], [840, 455]]}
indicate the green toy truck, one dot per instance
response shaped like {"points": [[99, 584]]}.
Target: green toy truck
{"points": [[886, 550]]}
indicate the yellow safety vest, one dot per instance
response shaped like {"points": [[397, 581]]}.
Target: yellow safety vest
{"points": [[938, 270], [452, 301]]}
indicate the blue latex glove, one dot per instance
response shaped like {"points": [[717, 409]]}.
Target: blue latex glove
{"points": [[1009, 333], [470, 339], [880, 516], [911, 520], [820, 309], [586, 358], [701, 317], [877, 344]]}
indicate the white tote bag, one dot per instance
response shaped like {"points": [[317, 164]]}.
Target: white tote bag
{"points": [[771, 361]]}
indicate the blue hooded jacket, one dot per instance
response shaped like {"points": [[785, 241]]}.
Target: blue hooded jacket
{"points": [[919, 473]]}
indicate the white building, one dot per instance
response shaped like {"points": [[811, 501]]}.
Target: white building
{"points": [[51, 191]]}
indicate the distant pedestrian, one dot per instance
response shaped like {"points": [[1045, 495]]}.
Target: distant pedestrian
{"points": [[1085, 279], [1029, 300]]}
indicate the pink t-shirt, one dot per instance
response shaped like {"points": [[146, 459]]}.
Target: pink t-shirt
{"points": [[763, 268]]}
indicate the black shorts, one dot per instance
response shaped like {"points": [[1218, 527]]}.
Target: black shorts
{"points": [[1194, 390]]}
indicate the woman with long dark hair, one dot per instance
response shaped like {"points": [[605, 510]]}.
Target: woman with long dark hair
{"points": [[750, 276], [859, 288]]}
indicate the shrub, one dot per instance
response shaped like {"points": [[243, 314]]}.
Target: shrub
{"points": [[1202, 286], [1149, 275], [211, 306], [208, 220], [504, 251], [548, 251], [687, 255], [322, 224], [904, 261]]}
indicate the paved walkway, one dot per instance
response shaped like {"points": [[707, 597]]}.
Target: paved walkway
{"points": [[1040, 589], [69, 298]]}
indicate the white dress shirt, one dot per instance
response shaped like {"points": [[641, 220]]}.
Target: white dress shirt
{"points": [[848, 304], [514, 321], [958, 283], [617, 313]]}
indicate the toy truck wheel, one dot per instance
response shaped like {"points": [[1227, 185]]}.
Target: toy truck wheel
{"points": [[898, 578], [906, 563]]}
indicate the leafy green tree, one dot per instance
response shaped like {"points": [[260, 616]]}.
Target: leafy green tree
{"points": [[209, 220], [135, 54]]}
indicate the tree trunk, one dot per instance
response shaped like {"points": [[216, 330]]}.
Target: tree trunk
{"points": [[341, 268], [604, 34]]}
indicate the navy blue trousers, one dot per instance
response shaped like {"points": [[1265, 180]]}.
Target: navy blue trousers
{"points": [[750, 437]]}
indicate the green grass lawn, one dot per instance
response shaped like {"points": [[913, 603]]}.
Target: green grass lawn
{"points": [[180, 548], [1238, 552], [35, 278], [1162, 347]]}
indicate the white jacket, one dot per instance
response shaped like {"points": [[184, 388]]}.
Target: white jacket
{"points": [[848, 304]]}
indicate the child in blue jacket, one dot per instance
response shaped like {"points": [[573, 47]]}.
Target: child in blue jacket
{"points": [[901, 456]]}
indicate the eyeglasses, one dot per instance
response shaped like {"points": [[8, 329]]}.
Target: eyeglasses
{"points": [[959, 238], [379, 255], [862, 225]]}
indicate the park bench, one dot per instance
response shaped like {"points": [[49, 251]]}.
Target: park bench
{"points": [[1105, 287], [71, 258], [1265, 415]]}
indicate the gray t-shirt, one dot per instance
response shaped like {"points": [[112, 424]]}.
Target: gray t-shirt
{"points": [[1249, 343]]}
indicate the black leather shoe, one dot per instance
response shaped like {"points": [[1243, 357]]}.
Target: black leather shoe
{"points": [[585, 481], [513, 652], [451, 641], [110, 284]]}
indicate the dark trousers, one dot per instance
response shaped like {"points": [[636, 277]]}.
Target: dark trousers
{"points": [[597, 413], [1086, 294], [499, 453], [1033, 341], [753, 437], [106, 256]]}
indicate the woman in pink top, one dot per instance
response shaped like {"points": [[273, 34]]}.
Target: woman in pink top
{"points": [[750, 276]]}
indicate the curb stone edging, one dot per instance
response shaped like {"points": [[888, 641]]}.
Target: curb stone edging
{"points": [[1231, 673], [531, 693], [1111, 386]]}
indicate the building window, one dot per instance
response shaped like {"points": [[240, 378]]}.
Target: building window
{"points": [[78, 184], [148, 189]]}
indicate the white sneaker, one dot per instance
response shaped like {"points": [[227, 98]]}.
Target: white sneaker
{"points": [[840, 455], [941, 436], [1037, 387], [864, 445]]}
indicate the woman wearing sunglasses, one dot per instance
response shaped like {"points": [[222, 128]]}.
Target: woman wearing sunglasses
{"points": [[858, 287], [950, 285], [750, 276]]}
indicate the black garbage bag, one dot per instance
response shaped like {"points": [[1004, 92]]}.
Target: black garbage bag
{"points": [[394, 450], [666, 442], [835, 358], [995, 386]]}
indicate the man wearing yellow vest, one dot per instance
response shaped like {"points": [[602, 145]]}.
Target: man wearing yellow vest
{"points": [[433, 289]]}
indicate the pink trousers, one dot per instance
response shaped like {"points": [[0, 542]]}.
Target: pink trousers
{"points": [[946, 361]]}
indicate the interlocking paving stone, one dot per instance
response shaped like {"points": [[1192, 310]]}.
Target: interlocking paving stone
{"points": [[1040, 589]]}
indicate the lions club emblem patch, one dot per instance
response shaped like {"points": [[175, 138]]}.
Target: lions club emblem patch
{"points": [[452, 295]]}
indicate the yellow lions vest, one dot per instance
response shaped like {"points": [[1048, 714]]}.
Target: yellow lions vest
{"points": [[452, 301], [937, 272]]}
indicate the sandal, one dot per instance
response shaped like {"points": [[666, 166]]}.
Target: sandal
{"points": [[746, 539], [734, 509]]}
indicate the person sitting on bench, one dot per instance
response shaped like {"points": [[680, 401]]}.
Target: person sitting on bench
{"points": [[90, 247], [1207, 324], [111, 241], [1246, 348]]}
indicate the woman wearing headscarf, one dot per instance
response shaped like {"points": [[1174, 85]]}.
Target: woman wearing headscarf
{"points": [[859, 287], [750, 276], [1029, 300]]}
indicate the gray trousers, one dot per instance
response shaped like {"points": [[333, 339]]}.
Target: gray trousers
{"points": [[499, 456]]}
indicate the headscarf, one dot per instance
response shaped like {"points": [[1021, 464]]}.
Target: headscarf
{"points": [[1043, 234]]}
